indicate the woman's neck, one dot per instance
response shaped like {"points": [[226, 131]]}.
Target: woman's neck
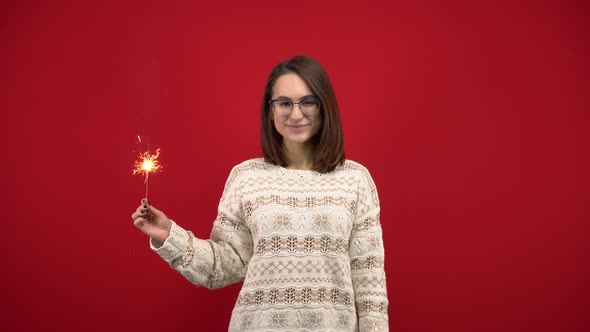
{"points": [[298, 155]]}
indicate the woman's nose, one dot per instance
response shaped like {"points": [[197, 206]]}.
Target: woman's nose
{"points": [[296, 112]]}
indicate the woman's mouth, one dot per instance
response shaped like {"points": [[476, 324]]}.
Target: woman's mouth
{"points": [[296, 126]]}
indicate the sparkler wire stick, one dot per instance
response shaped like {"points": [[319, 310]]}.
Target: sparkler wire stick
{"points": [[147, 182], [147, 177]]}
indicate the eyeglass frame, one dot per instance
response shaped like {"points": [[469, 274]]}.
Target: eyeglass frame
{"points": [[272, 101]]}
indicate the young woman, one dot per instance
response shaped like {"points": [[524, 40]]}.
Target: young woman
{"points": [[300, 226]]}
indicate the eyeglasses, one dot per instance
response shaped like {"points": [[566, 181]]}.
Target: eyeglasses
{"points": [[284, 107]]}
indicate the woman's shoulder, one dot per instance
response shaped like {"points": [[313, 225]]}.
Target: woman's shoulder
{"points": [[353, 167], [356, 169], [362, 173], [245, 169]]}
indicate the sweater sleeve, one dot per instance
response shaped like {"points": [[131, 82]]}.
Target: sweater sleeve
{"points": [[220, 260], [367, 259]]}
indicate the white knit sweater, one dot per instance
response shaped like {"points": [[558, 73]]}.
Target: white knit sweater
{"points": [[308, 246]]}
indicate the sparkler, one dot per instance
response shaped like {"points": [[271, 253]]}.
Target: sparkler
{"points": [[147, 164]]}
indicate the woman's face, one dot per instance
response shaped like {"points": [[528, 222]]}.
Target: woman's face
{"points": [[296, 127]]}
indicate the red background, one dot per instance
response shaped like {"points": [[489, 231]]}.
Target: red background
{"points": [[471, 116]]}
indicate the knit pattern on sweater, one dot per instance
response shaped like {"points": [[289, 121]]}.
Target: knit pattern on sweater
{"points": [[307, 245]]}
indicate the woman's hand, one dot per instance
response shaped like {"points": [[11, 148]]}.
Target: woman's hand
{"points": [[152, 222]]}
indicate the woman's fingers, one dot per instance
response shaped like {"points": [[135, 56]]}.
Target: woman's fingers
{"points": [[144, 224], [144, 213], [139, 222], [151, 221], [142, 207], [140, 212], [152, 210]]}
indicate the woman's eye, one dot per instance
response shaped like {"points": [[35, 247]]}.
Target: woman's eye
{"points": [[284, 104], [307, 103]]}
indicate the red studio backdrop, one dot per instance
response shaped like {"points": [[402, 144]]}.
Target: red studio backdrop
{"points": [[472, 117]]}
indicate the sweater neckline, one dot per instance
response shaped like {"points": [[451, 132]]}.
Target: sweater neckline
{"points": [[298, 173]]}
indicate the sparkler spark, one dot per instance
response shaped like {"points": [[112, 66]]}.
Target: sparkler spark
{"points": [[147, 164]]}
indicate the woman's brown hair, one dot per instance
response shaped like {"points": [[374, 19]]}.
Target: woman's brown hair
{"points": [[328, 143]]}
